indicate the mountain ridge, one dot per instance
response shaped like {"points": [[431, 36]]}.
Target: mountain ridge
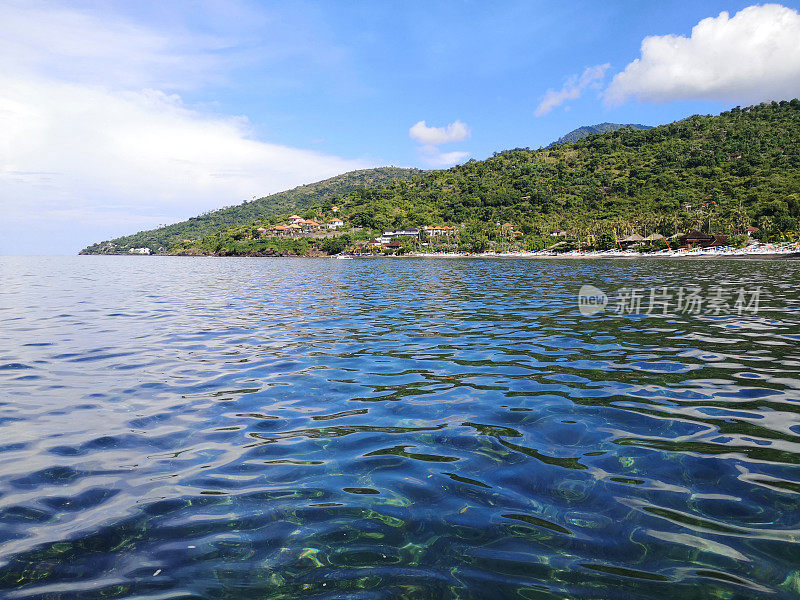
{"points": [[719, 174], [723, 173], [587, 130]]}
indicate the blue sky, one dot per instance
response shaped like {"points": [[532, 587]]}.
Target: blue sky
{"points": [[122, 116]]}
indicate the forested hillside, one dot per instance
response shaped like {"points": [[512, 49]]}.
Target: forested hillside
{"points": [[262, 208], [716, 172]]}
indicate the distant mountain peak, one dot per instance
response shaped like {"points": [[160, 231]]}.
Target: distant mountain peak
{"points": [[587, 130]]}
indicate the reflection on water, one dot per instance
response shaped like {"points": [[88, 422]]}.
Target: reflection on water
{"points": [[286, 428]]}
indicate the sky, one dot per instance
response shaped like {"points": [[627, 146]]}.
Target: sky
{"points": [[121, 116]]}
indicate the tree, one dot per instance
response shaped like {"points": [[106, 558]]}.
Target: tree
{"points": [[730, 171]]}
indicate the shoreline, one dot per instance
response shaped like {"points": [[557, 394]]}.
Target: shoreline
{"points": [[794, 255], [764, 253], [753, 252]]}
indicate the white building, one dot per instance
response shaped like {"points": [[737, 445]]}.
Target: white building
{"points": [[139, 251], [389, 235], [439, 230]]}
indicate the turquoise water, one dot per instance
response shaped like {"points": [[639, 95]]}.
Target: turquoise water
{"points": [[185, 428]]}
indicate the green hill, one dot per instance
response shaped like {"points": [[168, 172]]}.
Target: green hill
{"points": [[587, 130], [263, 208], [739, 168], [715, 173]]}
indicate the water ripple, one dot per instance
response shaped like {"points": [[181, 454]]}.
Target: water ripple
{"points": [[203, 428]]}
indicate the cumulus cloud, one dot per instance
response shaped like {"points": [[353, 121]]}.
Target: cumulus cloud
{"points": [[572, 89], [432, 137], [101, 144], [90, 145], [750, 57], [435, 136]]}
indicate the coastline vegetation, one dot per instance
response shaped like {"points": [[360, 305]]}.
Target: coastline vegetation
{"points": [[715, 174]]}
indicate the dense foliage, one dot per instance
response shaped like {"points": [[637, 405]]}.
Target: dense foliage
{"points": [[716, 174], [234, 242], [261, 209], [587, 130]]}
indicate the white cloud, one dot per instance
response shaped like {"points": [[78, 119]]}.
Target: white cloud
{"points": [[435, 136], [92, 142], [81, 47], [432, 137], [69, 143], [572, 89], [750, 57]]}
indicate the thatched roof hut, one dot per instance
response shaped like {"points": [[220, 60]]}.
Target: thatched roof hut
{"points": [[632, 239]]}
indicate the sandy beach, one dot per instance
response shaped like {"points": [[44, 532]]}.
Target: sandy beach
{"points": [[753, 251]]}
